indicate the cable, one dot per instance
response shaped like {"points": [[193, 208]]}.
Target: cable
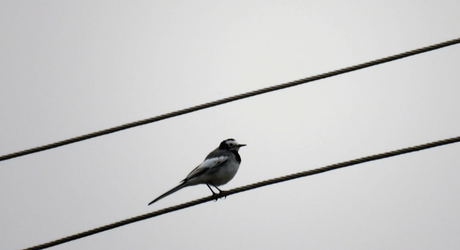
{"points": [[229, 99], [247, 188]]}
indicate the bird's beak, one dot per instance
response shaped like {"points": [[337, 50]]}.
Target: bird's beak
{"points": [[241, 145]]}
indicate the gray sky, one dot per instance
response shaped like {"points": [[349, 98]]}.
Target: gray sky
{"points": [[73, 67]]}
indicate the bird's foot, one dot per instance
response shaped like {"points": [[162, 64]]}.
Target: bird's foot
{"points": [[223, 193], [218, 196], [215, 196]]}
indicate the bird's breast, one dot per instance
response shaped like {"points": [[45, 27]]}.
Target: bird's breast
{"points": [[224, 174]]}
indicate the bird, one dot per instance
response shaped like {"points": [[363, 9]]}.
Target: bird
{"points": [[218, 168]]}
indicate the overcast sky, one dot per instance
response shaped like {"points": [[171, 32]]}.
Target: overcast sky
{"points": [[69, 68]]}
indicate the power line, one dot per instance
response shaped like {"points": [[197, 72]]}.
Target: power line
{"points": [[230, 99], [247, 188]]}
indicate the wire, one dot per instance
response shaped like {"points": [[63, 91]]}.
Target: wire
{"points": [[230, 99], [247, 188]]}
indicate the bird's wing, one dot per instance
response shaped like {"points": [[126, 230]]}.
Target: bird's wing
{"points": [[206, 165]]}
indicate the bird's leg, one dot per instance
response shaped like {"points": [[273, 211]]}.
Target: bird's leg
{"points": [[213, 194], [211, 189], [220, 191]]}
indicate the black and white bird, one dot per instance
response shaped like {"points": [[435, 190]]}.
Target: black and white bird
{"points": [[218, 168]]}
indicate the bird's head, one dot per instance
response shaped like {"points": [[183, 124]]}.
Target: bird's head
{"points": [[231, 144]]}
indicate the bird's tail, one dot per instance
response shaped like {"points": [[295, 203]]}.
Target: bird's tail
{"points": [[177, 188]]}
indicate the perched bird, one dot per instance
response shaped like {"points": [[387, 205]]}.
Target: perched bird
{"points": [[218, 168]]}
